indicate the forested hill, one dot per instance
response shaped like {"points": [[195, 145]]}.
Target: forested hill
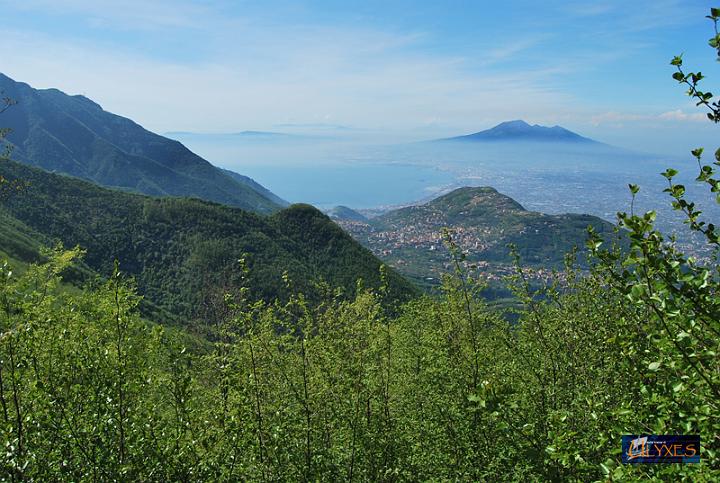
{"points": [[74, 135], [487, 221], [184, 252], [483, 222]]}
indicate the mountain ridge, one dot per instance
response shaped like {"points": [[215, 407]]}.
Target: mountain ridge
{"points": [[241, 178], [74, 135]]}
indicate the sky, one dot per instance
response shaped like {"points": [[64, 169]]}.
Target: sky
{"points": [[396, 70]]}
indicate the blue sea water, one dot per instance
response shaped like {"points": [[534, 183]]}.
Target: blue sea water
{"points": [[324, 172], [365, 185]]}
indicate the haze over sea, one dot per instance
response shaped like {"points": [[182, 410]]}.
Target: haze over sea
{"points": [[549, 177]]}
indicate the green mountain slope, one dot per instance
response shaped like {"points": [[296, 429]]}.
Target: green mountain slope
{"points": [[184, 252], [482, 222], [75, 136], [18, 243], [246, 180]]}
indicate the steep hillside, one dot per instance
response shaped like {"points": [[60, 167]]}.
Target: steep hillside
{"points": [[74, 135], [184, 252], [18, 243]]}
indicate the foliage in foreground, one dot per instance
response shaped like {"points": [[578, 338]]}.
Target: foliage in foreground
{"points": [[446, 390], [340, 390]]}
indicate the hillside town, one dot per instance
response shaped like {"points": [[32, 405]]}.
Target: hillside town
{"points": [[419, 250]]}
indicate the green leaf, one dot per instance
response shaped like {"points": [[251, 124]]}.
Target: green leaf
{"points": [[654, 366], [682, 335], [669, 173]]}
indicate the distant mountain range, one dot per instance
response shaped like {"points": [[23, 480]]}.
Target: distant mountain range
{"points": [[483, 222], [522, 131], [74, 135], [240, 134]]}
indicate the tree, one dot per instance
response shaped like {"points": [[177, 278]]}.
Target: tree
{"points": [[5, 103], [5, 146], [676, 345]]}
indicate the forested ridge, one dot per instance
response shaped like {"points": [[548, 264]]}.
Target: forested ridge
{"points": [[74, 135], [317, 380], [184, 252]]}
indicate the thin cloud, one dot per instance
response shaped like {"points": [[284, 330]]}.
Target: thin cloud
{"points": [[125, 15], [641, 15], [508, 50], [307, 82], [593, 10], [617, 118], [680, 115]]}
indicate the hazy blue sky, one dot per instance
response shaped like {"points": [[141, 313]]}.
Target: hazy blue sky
{"points": [[410, 69]]}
